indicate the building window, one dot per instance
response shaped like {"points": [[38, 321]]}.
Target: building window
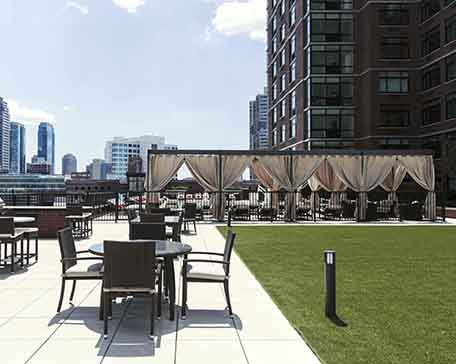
{"points": [[274, 69], [429, 8], [393, 82], [274, 44], [450, 30], [331, 59], [331, 4], [292, 15], [394, 14], [274, 90], [395, 116], [282, 7], [331, 91], [293, 104], [430, 41], [282, 57], [274, 24], [283, 133], [431, 76], [274, 137], [451, 67], [394, 143], [293, 46], [283, 33], [451, 106], [275, 115], [395, 48], [292, 128], [331, 28], [283, 108], [283, 82], [331, 123], [431, 112], [293, 72]]}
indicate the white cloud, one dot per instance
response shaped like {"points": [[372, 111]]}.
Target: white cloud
{"points": [[130, 5], [68, 108], [242, 17], [27, 114], [83, 9]]}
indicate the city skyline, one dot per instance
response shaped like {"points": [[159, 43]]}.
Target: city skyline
{"points": [[195, 102]]}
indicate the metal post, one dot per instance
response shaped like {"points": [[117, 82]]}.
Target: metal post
{"points": [[330, 283], [117, 206], [220, 192], [229, 217]]}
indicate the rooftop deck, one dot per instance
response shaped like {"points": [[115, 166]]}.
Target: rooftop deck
{"points": [[32, 332]]}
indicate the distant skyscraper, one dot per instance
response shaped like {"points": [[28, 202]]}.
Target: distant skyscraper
{"points": [[99, 169], [46, 144], [4, 136], [69, 164], [258, 122], [17, 148], [119, 150]]}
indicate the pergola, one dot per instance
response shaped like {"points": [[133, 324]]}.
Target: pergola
{"points": [[290, 171]]}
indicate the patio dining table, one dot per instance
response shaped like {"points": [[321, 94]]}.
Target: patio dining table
{"points": [[168, 250]]}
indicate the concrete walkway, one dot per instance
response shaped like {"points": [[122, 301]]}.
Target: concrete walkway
{"points": [[32, 332]]}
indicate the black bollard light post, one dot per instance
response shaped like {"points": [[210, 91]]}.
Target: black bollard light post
{"points": [[330, 283], [229, 217]]}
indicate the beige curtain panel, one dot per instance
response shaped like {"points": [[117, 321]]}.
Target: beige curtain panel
{"points": [[162, 168], [324, 177], [204, 168]]}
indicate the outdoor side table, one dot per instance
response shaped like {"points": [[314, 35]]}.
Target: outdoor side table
{"points": [[168, 250], [13, 259]]}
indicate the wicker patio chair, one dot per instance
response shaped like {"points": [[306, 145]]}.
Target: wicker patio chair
{"points": [[152, 217], [147, 231], [71, 271], [130, 269], [191, 272], [190, 215]]}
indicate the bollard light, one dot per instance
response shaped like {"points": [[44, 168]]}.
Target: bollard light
{"points": [[330, 283]]}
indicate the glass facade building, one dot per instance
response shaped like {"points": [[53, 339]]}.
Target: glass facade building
{"points": [[46, 144], [17, 148]]}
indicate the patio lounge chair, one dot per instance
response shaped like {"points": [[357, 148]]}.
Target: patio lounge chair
{"points": [[71, 271], [130, 269], [192, 273]]}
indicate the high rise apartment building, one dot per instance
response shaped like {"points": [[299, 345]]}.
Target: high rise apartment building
{"points": [[17, 148], [46, 144], [4, 136], [69, 164], [258, 122], [363, 74], [119, 150]]}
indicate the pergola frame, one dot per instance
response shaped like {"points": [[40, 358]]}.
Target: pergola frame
{"points": [[220, 154]]}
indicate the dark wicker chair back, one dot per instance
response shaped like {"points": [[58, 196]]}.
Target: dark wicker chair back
{"points": [[147, 231], [7, 225], [152, 217], [129, 265], [229, 243], [67, 248], [190, 211]]}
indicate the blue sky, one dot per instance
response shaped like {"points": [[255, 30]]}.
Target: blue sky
{"points": [[185, 69]]}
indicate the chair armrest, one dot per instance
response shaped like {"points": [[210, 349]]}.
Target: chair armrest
{"points": [[84, 258], [206, 261], [206, 253], [82, 251]]}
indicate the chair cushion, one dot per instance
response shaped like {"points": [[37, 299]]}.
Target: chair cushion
{"points": [[206, 271], [129, 289], [94, 271], [27, 230]]}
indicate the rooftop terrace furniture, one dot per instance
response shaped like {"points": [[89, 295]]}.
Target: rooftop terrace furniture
{"points": [[11, 236], [371, 213], [267, 213], [348, 209], [152, 217], [158, 210], [81, 222], [411, 211], [147, 231], [70, 258], [130, 269], [240, 213], [197, 270], [132, 214], [190, 215], [176, 229]]}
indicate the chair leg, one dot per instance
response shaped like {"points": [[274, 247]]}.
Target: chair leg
{"points": [[184, 298], [106, 300], [152, 317], [227, 295], [28, 250], [194, 225], [101, 313], [36, 248], [72, 291], [62, 292], [159, 298]]}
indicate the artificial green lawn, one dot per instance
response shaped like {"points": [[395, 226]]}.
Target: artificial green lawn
{"points": [[396, 288]]}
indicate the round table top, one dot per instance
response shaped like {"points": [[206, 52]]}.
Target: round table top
{"points": [[23, 219], [163, 248]]}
